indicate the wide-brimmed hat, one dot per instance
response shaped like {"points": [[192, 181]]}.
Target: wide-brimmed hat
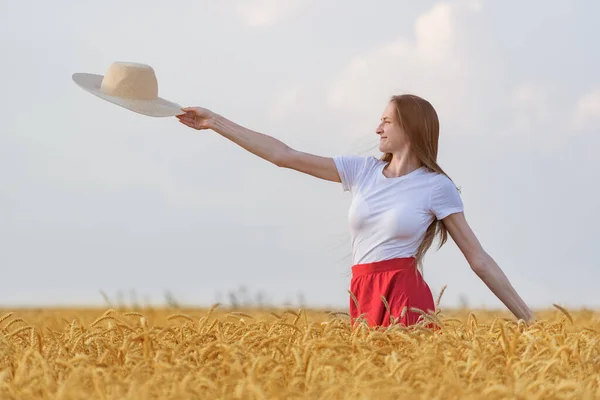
{"points": [[130, 85]]}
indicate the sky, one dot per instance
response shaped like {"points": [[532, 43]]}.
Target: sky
{"points": [[97, 199]]}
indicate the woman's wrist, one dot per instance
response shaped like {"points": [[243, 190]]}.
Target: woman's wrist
{"points": [[214, 121]]}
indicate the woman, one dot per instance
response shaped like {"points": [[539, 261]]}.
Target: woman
{"points": [[399, 204]]}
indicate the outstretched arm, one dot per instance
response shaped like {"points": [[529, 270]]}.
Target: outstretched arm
{"points": [[484, 266], [264, 146]]}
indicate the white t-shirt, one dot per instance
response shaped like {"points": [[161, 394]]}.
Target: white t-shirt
{"points": [[389, 216]]}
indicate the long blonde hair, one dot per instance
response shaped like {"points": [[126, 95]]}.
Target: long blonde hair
{"points": [[419, 120]]}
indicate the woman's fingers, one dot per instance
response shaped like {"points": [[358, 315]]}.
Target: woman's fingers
{"points": [[188, 119], [191, 118], [190, 110], [187, 123]]}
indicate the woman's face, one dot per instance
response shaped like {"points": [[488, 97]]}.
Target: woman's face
{"points": [[392, 137]]}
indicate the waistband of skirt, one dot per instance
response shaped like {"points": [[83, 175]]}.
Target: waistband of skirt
{"points": [[393, 264]]}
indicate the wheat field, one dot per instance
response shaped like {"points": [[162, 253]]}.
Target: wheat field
{"points": [[220, 353]]}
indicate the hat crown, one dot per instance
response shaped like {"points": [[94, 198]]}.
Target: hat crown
{"points": [[130, 80]]}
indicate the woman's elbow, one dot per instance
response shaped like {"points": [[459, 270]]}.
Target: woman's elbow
{"points": [[480, 262], [281, 157]]}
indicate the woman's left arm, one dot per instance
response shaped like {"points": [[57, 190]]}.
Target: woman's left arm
{"points": [[484, 266]]}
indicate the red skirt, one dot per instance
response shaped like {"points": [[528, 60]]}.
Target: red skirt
{"points": [[402, 285]]}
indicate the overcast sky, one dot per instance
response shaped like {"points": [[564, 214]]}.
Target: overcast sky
{"points": [[96, 197]]}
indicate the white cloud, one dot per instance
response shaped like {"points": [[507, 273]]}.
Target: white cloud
{"points": [[475, 5], [527, 93], [285, 103], [535, 117], [433, 65], [440, 62], [435, 35], [531, 109], [535, 113], [587, 111], [265, 13]]}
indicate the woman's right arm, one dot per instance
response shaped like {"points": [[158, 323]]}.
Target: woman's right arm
{"points": [[264, 146]]}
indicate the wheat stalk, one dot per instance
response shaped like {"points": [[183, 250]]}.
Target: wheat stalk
{"points": [[476, 357]]}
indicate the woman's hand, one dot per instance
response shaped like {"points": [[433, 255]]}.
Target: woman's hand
{"points": [[197, 118]]}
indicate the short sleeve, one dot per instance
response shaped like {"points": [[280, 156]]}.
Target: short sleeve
{"points": [[350, 168], [445, 198]]}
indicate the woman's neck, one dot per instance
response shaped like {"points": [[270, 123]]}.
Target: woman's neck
{"points": [[401, 164]]}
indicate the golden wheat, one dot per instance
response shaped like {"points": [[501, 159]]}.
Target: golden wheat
{"points": [[295, 354]]}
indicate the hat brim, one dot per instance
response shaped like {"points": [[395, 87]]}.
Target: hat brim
{"points": [[158, 107]]}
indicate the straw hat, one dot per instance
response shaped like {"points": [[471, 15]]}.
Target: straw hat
{"points": [[129, 85]]}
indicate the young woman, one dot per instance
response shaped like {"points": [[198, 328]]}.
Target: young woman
{"points": [[399, 204]]}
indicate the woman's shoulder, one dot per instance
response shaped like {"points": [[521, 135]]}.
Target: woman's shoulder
{"points": [[436, 177], [441, 183], [354, 169], [360, 158], [372, 160], [357, 160], [438, 181]]}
